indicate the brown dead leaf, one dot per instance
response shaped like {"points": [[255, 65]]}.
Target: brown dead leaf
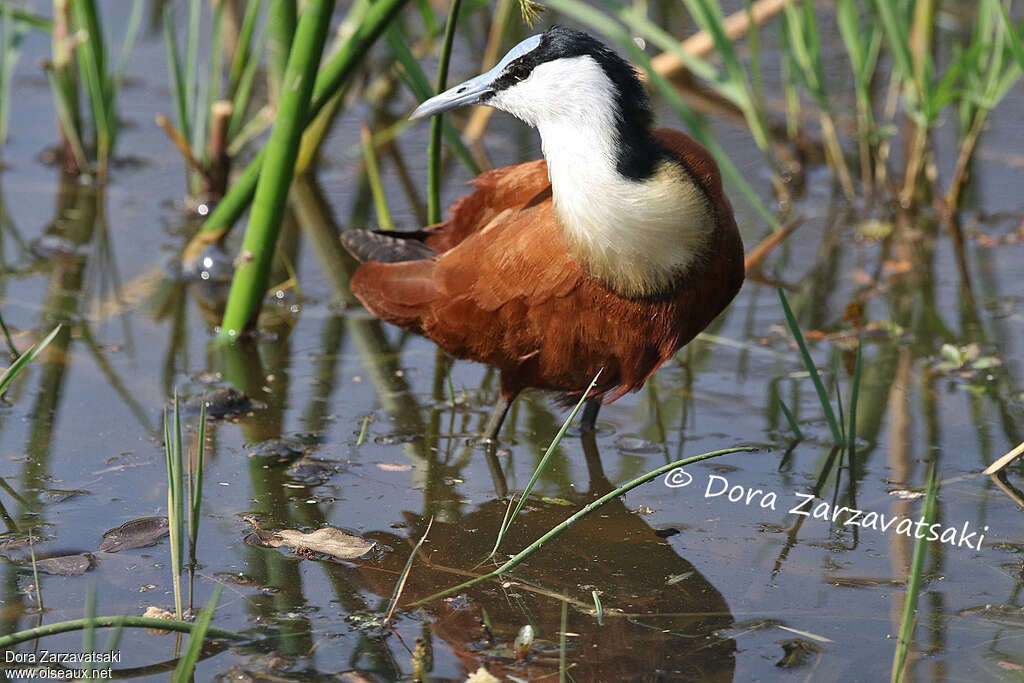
{"points": [[327, 540]]}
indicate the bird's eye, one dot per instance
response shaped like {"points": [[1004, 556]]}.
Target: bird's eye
{"points": [[518, 71]]}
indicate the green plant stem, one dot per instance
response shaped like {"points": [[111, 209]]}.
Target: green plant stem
{"points": [[330, 78], [434, 149], [252, 277], [112, 622], [519, 557]]}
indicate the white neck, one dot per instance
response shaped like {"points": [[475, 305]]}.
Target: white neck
{"points": [[636, 236]]}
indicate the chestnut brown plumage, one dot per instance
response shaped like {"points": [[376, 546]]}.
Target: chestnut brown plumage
{"points": [[500, 282]]}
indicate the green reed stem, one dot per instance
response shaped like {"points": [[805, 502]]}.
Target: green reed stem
{"points": [[529, 550], [281, 23], [113, 622], [826, 405], [252, 277], [380, 199], [330, 78], [434, 148], [851, 433]]}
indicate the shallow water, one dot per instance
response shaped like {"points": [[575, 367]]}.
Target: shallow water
{"points": [[692, 586]]}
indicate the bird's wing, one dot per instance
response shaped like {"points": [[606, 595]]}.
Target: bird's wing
{"points": [[509, 187], [502, 189], [510, 295]]}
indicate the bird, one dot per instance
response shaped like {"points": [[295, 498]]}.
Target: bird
{"points": [[602, 259]]}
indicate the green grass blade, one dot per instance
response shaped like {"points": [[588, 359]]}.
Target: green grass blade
{"points": [[251, 279], [92, 65], [798, 336], [35, 571], [11, 36], [243, 90], [195, 8], [1016, 42], [396, 595], [130, 34], [840, 418], [909, 620], [7, 337], [187, 664], [197, 488], [173, 524], [244, 54], [791, 419], [542, 465], [851, 433], [24, 359], [598, 607], [177, 79], [27, 17]]}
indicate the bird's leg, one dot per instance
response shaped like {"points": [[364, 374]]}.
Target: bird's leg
{"points": [[497, 417], [589, 421]]}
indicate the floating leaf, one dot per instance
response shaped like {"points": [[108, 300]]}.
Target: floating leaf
{"points": [[327, 540], [137, 533]]}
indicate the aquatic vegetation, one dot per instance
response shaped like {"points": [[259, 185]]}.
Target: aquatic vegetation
{"points": [[868, 151]]}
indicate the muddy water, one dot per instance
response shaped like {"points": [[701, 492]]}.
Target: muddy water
{"points": [[721, 579]]}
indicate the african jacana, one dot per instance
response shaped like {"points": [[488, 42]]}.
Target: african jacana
{"points": [[612, 252]]}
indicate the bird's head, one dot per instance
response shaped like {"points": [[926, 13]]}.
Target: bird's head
{"points": [[559, 76]]}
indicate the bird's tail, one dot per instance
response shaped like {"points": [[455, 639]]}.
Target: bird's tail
{"points": [[383, 247]]}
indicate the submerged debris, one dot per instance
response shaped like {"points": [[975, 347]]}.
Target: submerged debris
{"points": [[64, 565], [137, 533], [220, 402], [796, 652]]}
